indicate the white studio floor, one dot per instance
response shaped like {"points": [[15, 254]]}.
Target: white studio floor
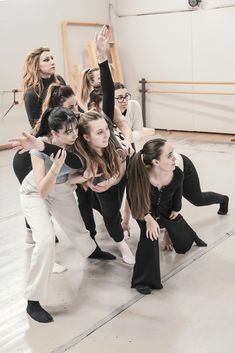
{"points": [[93, 306]]}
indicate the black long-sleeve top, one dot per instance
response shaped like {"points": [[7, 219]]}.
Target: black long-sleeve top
{"points": [[169, 197], [33, 102], [108, 89]]}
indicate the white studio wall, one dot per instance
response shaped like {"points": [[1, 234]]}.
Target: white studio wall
{"points": [[28, 24], [165, 40]]}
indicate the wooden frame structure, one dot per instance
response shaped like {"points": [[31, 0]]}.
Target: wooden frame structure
{"points": [[74, 75]]}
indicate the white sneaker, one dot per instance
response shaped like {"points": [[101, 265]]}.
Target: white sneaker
{"points": [[57, 268], [126, 253]]}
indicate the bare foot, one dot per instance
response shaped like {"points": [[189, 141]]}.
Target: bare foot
{"points": [[167, 243]]}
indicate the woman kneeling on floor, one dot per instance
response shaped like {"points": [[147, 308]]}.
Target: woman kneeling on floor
{"points": [[155, 194]]}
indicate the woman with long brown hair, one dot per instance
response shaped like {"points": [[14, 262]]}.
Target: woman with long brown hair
{"points": [[39, 74], [155, 193]]}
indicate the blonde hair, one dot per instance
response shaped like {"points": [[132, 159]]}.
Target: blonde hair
{"points": [[31, 75], [86, 84]]}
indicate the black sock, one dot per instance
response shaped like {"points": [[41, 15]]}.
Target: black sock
{"points": [[37, 313], [143, 289]]}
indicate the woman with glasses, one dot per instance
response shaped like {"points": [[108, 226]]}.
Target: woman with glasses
{"points": [[131, 110]]}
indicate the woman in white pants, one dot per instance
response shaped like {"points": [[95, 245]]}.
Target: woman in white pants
{"points": [[44, 192]]}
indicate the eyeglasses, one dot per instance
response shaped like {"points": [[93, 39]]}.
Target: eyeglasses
{"points": [[121, 99]]}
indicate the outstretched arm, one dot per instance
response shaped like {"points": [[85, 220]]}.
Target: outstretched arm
{"points": [[28, 142]]}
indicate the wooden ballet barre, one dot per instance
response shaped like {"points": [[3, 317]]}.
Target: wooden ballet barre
{"points": [[144, 90], [76, 23], [189, 92], [193, 82]]}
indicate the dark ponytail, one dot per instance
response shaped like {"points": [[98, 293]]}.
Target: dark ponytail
{"points": [[42, 128], [54, 119], [138, 180]]}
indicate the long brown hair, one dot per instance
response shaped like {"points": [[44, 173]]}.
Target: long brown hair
{"points": [[31, 75], [138, 178], [109, 163]]}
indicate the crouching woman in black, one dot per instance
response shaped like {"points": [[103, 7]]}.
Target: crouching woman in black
{"points": [[155, 193]]}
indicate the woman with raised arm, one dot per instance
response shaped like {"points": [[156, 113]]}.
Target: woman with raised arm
{"points": [[155, 192], [95, 125]]}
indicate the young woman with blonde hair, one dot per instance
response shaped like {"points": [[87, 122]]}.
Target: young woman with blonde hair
{"points": [[90, 80]]}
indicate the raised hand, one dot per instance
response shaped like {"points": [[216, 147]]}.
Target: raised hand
{"points": [[26, 143], [102, 41]]}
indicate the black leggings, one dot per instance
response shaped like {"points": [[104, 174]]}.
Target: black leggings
{"points": [[192, 189], [22, 166], [86, 210], [108, 203]]}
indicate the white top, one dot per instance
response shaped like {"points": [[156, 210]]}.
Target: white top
{"points": [[179, 161], [135, 120]]}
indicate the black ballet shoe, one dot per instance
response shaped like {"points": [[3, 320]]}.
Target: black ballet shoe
{"points": [[56, 240], [143, 289], [101, 255], [223, 210], [199, 242], [37, 313]]}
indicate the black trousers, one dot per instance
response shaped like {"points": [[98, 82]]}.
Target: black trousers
{"points": [[108, 203], [147, 265], [22, 166], [192, 189], [85, 207]]}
